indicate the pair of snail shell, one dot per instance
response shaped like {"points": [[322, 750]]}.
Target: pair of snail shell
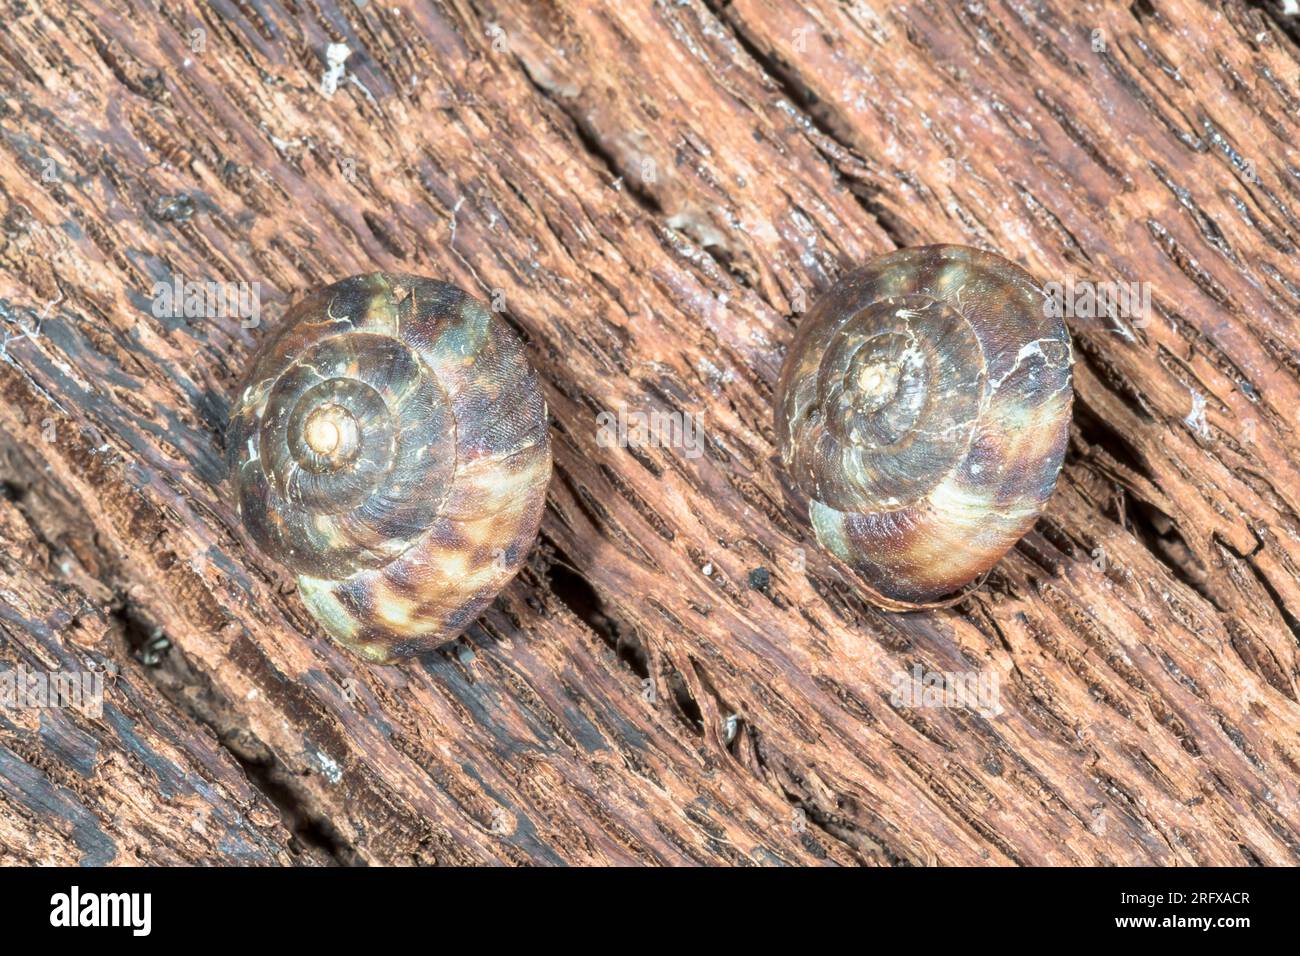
{"points": [[390, 447]]}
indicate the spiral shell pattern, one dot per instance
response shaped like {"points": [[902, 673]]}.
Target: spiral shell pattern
{"points": [[922, 414], [390, 448]]}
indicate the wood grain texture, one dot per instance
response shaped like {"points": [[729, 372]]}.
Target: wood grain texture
{"points": [[654, 192]]}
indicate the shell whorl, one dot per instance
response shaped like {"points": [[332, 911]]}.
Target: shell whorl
{"points": [[390, 448], [923, 412]]}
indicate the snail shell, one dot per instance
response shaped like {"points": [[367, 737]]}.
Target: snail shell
{"points": [[390, 448], [922, 416]]}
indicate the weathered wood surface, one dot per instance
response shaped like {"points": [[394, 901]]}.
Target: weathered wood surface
{"points": [[656, 189]]}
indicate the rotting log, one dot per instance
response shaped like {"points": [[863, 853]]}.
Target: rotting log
{"points": [[653, 192]]}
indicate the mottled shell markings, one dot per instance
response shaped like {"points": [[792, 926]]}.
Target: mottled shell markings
{"points": [[390, 447], [922, 414]]}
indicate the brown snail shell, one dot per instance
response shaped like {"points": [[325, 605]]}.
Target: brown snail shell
{"points": [[390, 447], [922, 415]]}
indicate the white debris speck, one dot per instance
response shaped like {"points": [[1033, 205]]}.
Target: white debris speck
{"points": [[328, 766], [708, 570], [1032, 349], [352, 78], [716, 376], [336, 54], [1195, 419]]}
